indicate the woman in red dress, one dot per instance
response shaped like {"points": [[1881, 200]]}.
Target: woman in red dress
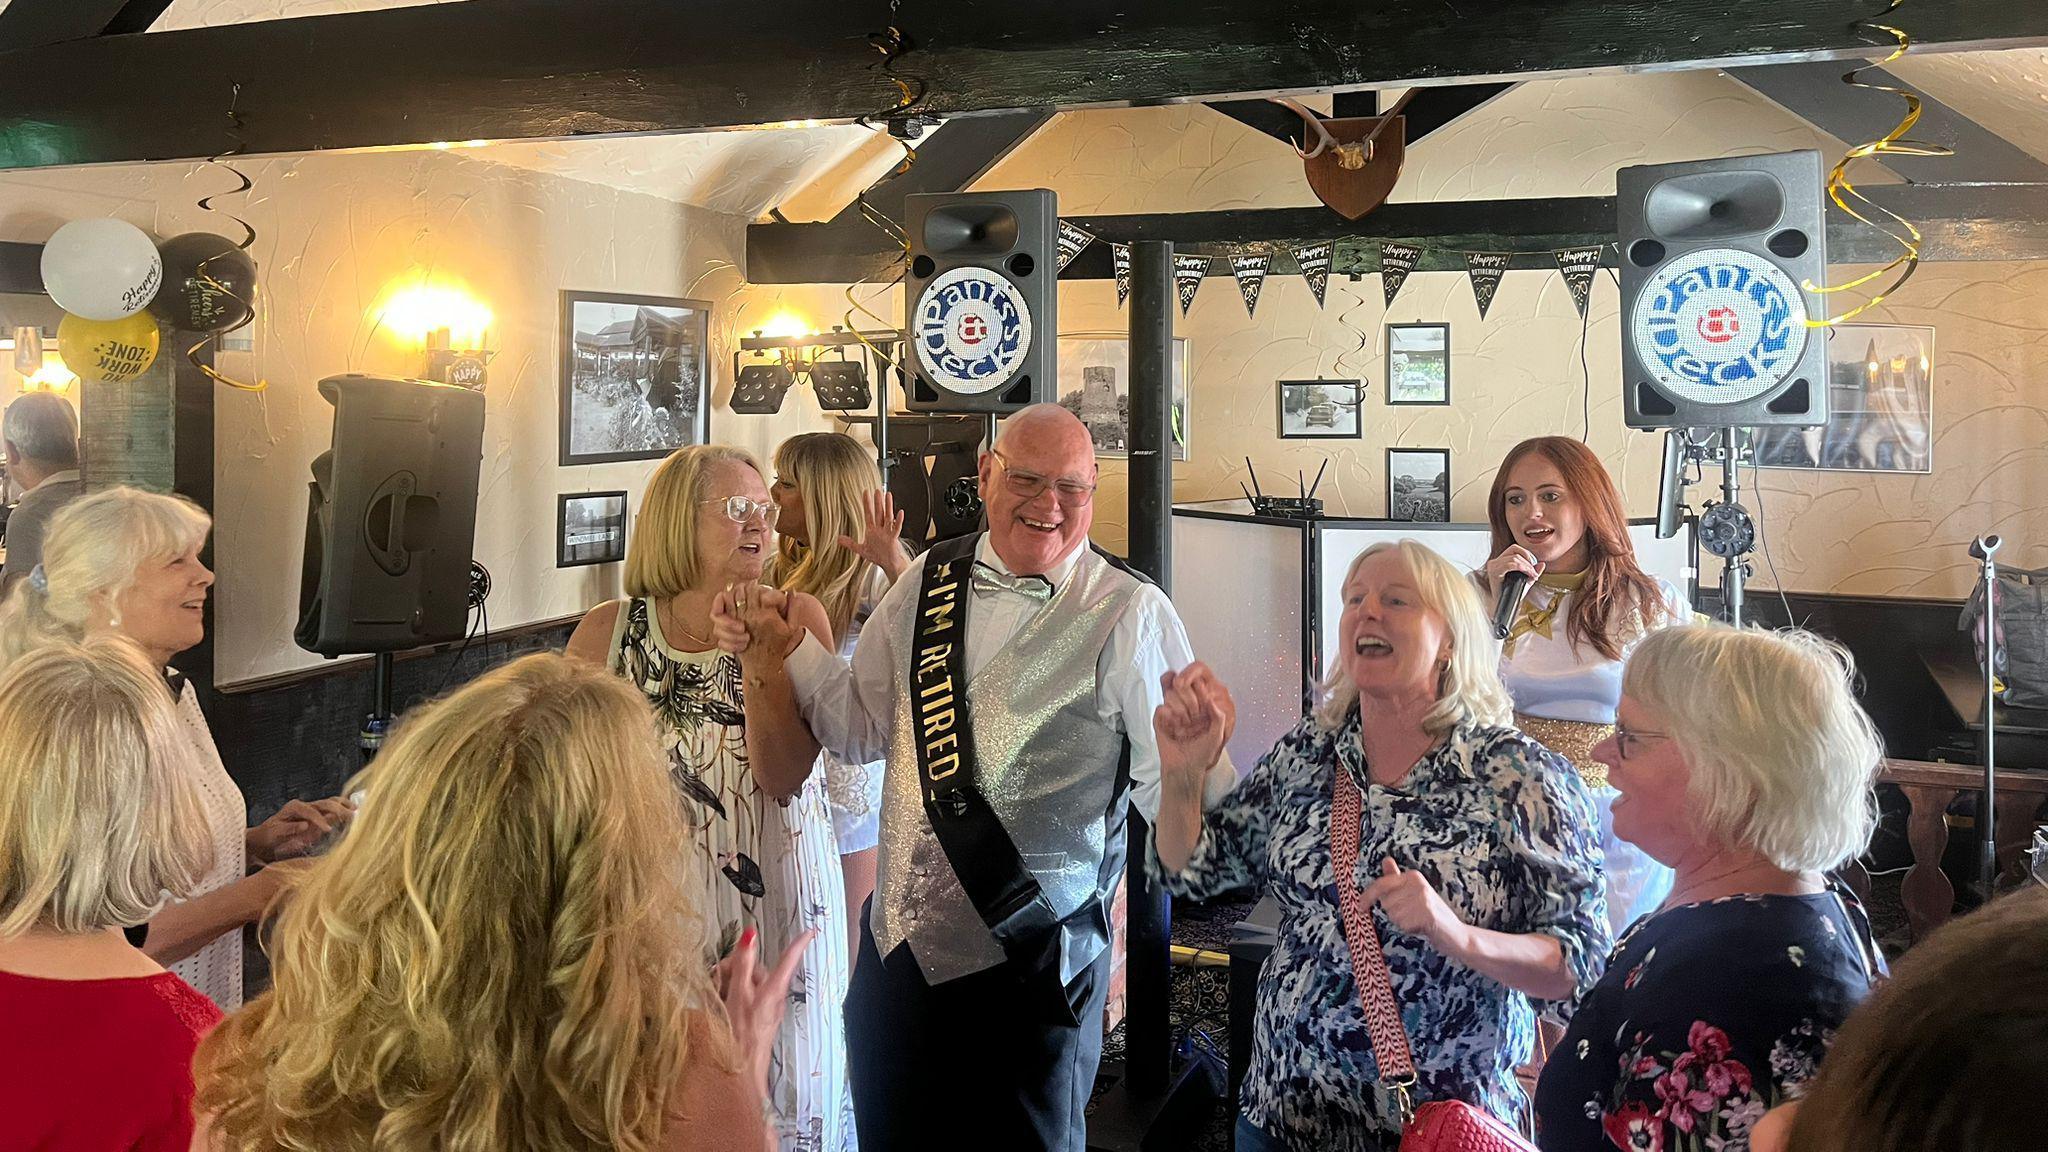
{"points": [[99, 823]]}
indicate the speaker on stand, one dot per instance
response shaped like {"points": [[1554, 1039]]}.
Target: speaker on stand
{"points": [[1714, 254], [981, 300], [390, 522]]}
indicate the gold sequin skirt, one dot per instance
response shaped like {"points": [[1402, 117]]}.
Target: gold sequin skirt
{"points": [[1573, 740]]}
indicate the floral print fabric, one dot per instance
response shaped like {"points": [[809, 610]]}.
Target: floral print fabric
{"points": [[1709, 1015], [1505, 832]]}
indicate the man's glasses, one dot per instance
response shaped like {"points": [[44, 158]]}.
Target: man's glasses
{"points": [[1069, 492], [739, 509]]}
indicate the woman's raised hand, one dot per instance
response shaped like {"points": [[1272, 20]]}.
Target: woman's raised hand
{"points": [[881, 537], [1513, 558], [1192, 723]]}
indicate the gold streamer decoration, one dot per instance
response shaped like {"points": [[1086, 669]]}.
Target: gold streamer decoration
{"points": [[248, 238], [1842, 190], [910, 93]]}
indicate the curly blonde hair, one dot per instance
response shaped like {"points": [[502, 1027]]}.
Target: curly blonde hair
{"points": [[499, 955]]}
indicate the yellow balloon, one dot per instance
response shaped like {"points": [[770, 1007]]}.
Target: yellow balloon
{"points": [[108, 351]]}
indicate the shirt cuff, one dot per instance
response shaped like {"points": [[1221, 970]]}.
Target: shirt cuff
{"points": [[809, 666], [1221, 779]]}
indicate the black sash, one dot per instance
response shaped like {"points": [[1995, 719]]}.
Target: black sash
{"points": [[977, 845]]}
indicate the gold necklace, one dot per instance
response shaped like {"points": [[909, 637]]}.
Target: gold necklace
{"points": [[674, 618]]}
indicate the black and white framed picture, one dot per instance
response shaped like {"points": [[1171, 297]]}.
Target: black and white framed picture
{"points": [[590, 528], [1095, 384], [1419, 485], [1320, 409], [1418, 363], [1880, 406], [634, 384]]}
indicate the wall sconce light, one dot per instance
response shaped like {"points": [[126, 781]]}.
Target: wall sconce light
{"points": [[448, 323], [49, 376]]}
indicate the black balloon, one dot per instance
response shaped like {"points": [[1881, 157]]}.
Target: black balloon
{"points": [[209, 284]]}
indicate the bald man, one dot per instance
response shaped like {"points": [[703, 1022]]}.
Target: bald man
{"points": [[1009, 678]]}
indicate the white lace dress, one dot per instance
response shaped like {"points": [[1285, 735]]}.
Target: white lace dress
{"points": [[855, 790], [764, 865], [216, 969]]}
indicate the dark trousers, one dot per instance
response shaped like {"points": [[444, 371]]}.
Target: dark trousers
{"points": [[980, 1062]]}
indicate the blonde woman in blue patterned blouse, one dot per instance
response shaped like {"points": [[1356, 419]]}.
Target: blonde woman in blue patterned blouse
{"points": [[1478, 847]]}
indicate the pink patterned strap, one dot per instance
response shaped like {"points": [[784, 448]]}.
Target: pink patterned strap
{"points": [[1368, 966]]}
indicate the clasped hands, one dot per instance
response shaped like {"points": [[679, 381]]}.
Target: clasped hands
{"points": [[753, 620]]}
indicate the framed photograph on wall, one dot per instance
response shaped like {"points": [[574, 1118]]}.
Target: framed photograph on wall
{"points": [[1094, 384], [1880, 406], [1419, 485], [1320, 409], [590, 528], [1418, 363], [634, 382]]}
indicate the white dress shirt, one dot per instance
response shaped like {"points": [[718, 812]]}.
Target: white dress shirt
{"points": [[851, 711]]}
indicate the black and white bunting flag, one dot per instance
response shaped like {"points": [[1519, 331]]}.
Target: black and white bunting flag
{"points": [[1486, 269], [1072, 239], [1579, 266], [1396, 262], [1314, 262], [1120, 257], [1188, 273], [1251, 276]]}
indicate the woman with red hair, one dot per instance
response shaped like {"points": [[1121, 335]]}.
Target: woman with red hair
{"points": [[1557, 517]]}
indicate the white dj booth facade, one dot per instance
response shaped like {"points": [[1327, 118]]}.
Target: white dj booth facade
{"points": [[1261, 595]]}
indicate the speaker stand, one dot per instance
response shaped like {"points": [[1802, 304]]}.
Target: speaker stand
{"points": [[1735, 567], [378, 723]]}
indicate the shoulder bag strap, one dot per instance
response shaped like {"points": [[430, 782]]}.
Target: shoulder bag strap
{"points": [[979, 848], [1368, 965]]}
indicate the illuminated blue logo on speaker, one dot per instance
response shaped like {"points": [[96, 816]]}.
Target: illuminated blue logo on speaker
{"points": [[1719, 326], [972, 330]]}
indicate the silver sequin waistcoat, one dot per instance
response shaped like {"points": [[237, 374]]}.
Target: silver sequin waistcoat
{"points": [[1047, 764]]}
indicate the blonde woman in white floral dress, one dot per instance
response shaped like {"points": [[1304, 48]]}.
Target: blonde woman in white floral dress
{"points": [[764, 851]]}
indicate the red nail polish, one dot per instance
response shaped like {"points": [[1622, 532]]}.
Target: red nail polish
{"points": [[746, 938]]}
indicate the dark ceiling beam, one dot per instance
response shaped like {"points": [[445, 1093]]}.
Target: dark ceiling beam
{"points": [[1427, 109], [951, 157], [26, 24], [1959, 223], [1814, 92], [530, 69]]}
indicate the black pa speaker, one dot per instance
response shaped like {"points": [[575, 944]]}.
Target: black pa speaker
{"points": [[1714, 319], [981, 300], [391, 517]]}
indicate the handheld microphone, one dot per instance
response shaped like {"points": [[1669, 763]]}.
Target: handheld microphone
{"points": [[1513, 586]]}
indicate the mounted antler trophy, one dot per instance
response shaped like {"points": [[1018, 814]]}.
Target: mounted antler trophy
{"points": [[1355, 161]]}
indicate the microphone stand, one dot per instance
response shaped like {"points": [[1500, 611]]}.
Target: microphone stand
{"points": [[1982, 549]]}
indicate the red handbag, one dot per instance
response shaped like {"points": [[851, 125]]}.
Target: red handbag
{"points": [[1436, 1126]]}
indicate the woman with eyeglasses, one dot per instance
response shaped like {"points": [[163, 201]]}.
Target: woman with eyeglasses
{"points": [[757, 812], [1743, 763]]}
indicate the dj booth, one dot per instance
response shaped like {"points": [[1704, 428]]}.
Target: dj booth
{"points": [[1260, 596]]}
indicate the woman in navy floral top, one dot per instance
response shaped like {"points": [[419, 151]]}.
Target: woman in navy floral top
{"points": [[1743, 763], [1479, 849]]}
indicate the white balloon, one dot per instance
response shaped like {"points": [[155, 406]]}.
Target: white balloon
{"points": [[101, 269]]}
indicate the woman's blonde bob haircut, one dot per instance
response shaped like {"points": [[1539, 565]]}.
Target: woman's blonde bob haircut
{"points": [[500, 954], [662, 560], [1469, 691], [93, 549], [100, 815], [1782, 756]]}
